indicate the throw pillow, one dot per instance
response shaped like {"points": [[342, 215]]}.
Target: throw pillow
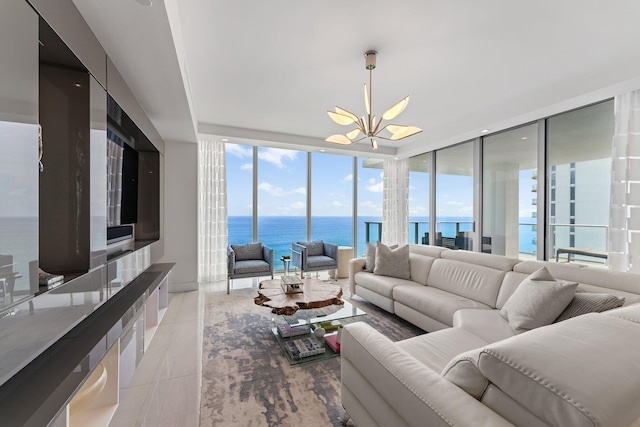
{"points": [[587, 302], [248, 251], [537, 301], [314, 248], [370, 257], [392, 262]]}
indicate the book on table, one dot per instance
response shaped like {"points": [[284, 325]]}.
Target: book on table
{"points": [[291, 280], [285, 330], [304, 347]]}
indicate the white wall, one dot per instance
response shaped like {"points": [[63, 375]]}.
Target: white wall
{"points": [[181, 214]]}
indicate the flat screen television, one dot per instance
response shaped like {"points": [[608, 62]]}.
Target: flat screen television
{"points": [[122, 182]]}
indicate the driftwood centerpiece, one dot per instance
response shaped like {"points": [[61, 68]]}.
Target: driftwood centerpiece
{"points": [[316, 294]]}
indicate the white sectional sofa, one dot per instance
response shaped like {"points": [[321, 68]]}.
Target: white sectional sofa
{"points": [[473, 369]]}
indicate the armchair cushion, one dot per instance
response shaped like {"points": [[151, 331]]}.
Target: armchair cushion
{"points": [[248, 252], [314, 248]]}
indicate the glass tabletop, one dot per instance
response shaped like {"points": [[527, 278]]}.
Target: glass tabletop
{"points": [[324, 314]]}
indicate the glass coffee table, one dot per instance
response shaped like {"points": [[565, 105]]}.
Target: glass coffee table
{"points": [[301, 325]]}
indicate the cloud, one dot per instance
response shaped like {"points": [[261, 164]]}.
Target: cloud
{"points": [[372, 180], [375, 188], [238, 150], [454, 203], [367, 204], [418, 210], [247, 166], [467, 210], [337, 204], [348, 177], [276, 191], [298, 205], [276, 156]]}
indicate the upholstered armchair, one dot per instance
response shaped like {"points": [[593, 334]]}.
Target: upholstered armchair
{"points": [[250, 260], [314, 256]]}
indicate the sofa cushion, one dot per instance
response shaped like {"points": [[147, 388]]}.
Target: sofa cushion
{"points": [[486, 324], [248, 251], [314, 248], [251, 266], [435, 303], [436, 349], [587, 302], [392, 262], [584, 371], [381, 285], [420, 266], [320, 261], [538, 301], [472, 281]]}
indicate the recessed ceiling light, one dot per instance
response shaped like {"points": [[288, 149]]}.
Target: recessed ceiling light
{"points": [[524, 137], [77, 85], [144, 2], [224, 140], [485, 130], [322, 151]]}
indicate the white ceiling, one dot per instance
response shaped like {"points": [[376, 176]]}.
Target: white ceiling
{"points": [[265, 72]]}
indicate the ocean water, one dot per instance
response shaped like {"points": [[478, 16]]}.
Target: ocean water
{"points": [[279, 232]]}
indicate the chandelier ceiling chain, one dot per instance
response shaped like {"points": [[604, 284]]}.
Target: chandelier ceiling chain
{"points": [[368, 127]]}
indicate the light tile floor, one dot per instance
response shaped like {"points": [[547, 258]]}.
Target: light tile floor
{"points": [[165, 389]]}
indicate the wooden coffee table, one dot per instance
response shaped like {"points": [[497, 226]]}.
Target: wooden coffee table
{"points": [[315, 294]]}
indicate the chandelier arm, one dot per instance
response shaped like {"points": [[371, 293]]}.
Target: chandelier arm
{"points": [[382, 137], [375, 131], [360, 139]]}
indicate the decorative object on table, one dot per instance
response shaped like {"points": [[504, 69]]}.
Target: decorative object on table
{"points": [[49, 279], [304, 347], [332, 342], [316, 294], [286, 259], [367, 125], [285, 330], [292, 284], [250, 260], [319, 332]]}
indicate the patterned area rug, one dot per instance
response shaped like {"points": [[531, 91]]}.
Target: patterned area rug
{"points": [[247, 381]]}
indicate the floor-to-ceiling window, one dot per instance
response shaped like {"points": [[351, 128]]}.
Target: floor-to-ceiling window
{"points": [[370, 173], [332, 198], [419, 174], [282, 199], [239, 167], [579, 176], [454, 196], [510, 192]]}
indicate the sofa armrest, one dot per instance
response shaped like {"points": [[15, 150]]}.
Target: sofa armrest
{"points": [[231, 260], [356, 265], [267, 255], [392, 387], [299, 256], [331, 250]]}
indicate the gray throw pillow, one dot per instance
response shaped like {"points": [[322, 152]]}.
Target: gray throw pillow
{"points": [[392, 262], [314, 248], [587, 302], [370, 257], [248, 251], [537, 301]]}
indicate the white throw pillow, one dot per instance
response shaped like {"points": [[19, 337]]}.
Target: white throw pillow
{"points": [[392, 262], [537, 301], [587, 302]]}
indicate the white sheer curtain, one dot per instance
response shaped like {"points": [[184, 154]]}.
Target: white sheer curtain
{"points": [[395, 202], [212, 212], [624, 217]]}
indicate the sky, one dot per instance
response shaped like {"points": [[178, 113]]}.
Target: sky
{"points": [[282, 186], [282, 181]]}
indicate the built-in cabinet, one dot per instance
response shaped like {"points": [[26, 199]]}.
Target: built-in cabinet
{"points": [[66, 351]]}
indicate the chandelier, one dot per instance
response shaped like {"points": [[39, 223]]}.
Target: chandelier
{"points": [[367, 126]]}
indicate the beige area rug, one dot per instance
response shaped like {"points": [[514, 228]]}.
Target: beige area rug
{"points": [[247, 381]]}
